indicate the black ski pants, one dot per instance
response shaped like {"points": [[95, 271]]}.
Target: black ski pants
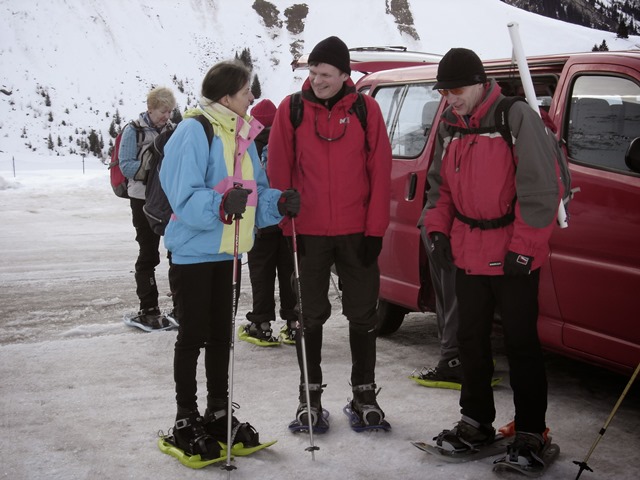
{"points": [[203, 294], [271, 257], [516, 298], [360, 287], [148, 256]]}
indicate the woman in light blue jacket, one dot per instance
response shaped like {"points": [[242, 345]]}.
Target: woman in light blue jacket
{"points": [[207, 188]]}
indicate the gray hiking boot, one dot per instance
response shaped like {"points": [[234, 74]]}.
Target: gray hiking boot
{"points": [[364, 404], [466, 435], [303, 411]]}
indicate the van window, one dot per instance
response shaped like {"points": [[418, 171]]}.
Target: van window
{"points": [[604, 117], [409, 112]]}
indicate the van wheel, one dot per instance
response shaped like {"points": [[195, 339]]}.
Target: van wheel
{"points": [[390, 317]]}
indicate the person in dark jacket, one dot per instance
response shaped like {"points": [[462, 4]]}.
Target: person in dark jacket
{"points": [[342, 172], [269, 257], [494, 212]]}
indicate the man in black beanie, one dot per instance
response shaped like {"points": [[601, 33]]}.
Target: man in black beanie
{"points": [[342, 168], [492, 208]]}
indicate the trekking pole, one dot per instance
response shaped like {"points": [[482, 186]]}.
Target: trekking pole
{"points": [[305, 371], [583, 465], [236, 240]]}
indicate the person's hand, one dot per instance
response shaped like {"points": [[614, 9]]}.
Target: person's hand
{"points": [[441, 251], [369, 250], [517, 264], [289, 203], [234, 201]]}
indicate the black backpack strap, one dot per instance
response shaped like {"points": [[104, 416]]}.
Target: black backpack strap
{"points": [[208, 128], [359, 107], [296, 109], [502, 117]]}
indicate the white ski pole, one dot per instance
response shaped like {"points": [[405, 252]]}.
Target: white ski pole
{"points": [[236, 240], [305, 370]]}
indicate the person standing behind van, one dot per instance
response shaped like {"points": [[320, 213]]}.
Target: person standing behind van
{"points": [[160, 104], [342, 172], [493, 218]]}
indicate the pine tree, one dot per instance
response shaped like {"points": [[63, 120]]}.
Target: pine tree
{"points": [[623, 31], [245, 57], [50, 143], [256, 89]]}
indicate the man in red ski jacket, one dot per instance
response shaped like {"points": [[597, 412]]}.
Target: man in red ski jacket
{"points": [[494, 212], [342, 170]]}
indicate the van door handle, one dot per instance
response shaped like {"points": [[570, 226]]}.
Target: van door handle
{"points": [[410, 192]]}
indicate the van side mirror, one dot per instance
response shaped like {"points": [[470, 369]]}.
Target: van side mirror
{"points": [[632, 157]]}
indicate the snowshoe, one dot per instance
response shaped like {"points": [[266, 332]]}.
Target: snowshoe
{"points": [[529, 454], [245, 439], [149, 320], [363, 411], [319, 416], [189, 442], [260, 335], [447, 374], [172, 316], [466, 442], [167, 445], [288, 334]]}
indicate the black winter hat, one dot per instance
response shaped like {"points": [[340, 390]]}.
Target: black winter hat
{"points": [[333, 51], [458, 68]]}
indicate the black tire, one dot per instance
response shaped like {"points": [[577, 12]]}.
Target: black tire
{"points": [[390, 317]]}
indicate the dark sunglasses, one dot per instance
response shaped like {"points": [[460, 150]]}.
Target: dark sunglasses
{"points": [[455, 91]]}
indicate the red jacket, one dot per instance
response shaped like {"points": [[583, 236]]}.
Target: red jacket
{"points": [[480, 178], [345, 183]]}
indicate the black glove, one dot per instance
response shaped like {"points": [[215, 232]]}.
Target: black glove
{"points": [[289, 203], [517, 264], [234, 201], [441, 251], [370, 248]]}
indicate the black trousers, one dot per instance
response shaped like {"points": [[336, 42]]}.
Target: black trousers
{"points": [[203, 294], [148, 256], [360, 287], [271, 257], [516, 297]]}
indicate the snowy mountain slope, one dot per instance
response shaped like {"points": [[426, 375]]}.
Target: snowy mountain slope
{"points": [[90, 58]]}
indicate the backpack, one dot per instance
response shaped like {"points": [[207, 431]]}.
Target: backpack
{"points": [[296, 109], [118, 181], [501, 126], [156, 206]]}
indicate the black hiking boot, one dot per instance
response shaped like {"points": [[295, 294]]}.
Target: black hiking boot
{"points": [[190, 436], [445, 371], [215, 423], [303, 411], [365, 405], [149, 319], [466, 435], [261, 331]]}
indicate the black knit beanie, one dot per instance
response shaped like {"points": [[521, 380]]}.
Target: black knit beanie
{"points": [[333, 51], [458, 68]]}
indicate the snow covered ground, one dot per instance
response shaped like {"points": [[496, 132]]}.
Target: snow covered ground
{"points": [[82, 396]]}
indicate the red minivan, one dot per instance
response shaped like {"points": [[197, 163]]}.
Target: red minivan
{"points": [[588, 286]]}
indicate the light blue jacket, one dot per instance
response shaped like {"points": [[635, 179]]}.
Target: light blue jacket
{"points": [[195, 178]]}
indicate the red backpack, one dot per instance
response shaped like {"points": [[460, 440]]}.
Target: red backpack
{"points": [[118, 180]]}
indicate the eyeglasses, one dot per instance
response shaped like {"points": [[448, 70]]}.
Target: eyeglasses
{"points": [[455, 91], [344, 130]]}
